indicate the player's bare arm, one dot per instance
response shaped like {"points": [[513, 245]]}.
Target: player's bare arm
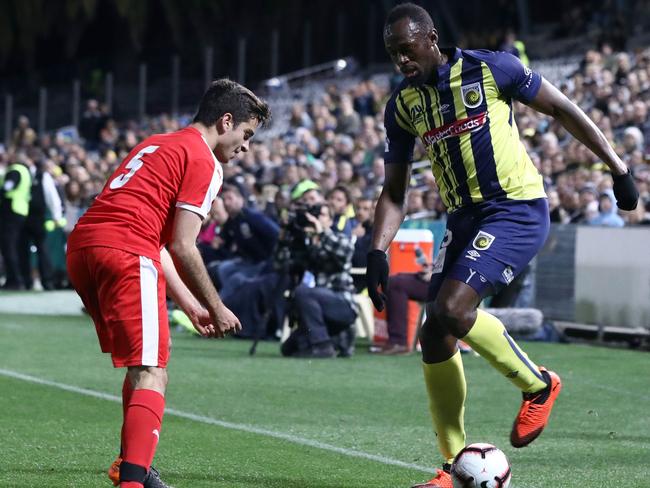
{"points": [[389, 213], [550, 101], [183, 297], [190, 267]]}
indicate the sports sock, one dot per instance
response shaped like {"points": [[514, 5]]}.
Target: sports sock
{"points": [[142, 427], [489, 338], [447, 389], [127, 391]]}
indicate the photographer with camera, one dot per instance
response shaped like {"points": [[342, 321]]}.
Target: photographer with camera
{"points": [[325, 312]]}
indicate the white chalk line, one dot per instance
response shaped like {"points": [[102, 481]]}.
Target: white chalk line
{"points": [[226, 425]]}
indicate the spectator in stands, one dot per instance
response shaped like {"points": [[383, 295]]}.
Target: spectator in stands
{"points": [[414, 202], [91, 124], [15, 194], [338, 199], [45, 214], [209, 240], [402, 288], [248, 237], [299, 117], [325, 313], [348, 121], [607, 214], [362, 232], [24, 135], [364, 99], [515, 47], [557, 213]]}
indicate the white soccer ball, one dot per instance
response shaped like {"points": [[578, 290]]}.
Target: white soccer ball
{"points": [[481, 466]]}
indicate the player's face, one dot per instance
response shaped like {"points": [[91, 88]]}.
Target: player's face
{"points": [[411, 49], [235, 139]]}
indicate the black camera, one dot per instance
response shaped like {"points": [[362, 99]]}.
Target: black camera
{"points": [[300, 215]]}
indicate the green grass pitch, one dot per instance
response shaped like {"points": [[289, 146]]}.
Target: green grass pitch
{"points": [[270, 422]]}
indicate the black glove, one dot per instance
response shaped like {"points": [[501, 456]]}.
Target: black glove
{"points": [[377, 274], [627, 196]]}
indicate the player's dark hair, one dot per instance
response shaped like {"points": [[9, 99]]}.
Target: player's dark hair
{"points": [[411, 11], [226, 96]]}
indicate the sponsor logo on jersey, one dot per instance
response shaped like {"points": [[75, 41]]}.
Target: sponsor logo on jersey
{"points": [[528, 73], [483, 241], [472, 95], [417, 114], [508, 275], [470, 124], [444, 108], [473, 255]]}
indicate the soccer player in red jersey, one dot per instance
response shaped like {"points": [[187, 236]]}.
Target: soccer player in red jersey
{"points": [[137, 243]]}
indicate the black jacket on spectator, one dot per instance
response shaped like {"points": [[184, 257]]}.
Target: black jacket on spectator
{"points": [[250, 235]]}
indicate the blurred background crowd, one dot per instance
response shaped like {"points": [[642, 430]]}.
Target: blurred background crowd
{"points": [[324, 147], [336, 138]]}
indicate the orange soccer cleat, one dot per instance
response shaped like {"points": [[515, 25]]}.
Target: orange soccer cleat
{"points": [[114, 471], [152, 480], [535, 411], [442, 479]]}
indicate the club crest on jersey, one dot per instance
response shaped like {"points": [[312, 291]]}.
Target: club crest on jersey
{"points": [[472, 95], [483, 241]]}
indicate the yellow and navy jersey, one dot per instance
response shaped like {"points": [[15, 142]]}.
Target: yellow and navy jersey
{"points": [[464, 117]]}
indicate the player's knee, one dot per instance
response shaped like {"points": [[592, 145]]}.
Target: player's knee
{"points": [[149, 378], [432, 331], [453, 315]]}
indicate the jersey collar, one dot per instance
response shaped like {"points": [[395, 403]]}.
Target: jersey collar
{"points": [[453, 55]]}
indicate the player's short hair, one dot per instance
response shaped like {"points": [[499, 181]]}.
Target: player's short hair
{"points": [[411, 11], [226, 96]]}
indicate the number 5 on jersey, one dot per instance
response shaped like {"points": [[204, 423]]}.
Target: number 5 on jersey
{"points": [[134, 165]]}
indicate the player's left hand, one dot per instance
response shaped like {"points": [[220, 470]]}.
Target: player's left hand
{"points": [[625, 191]]}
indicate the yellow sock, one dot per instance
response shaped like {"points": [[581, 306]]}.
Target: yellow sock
{"points": [[489, 338], [447, 389]]}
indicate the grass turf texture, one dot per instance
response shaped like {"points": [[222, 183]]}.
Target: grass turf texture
{"points": [[599, 434]]}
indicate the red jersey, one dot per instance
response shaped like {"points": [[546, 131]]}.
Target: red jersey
{"points": [[135, 210]]}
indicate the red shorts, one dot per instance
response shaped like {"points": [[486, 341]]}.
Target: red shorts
{"points": [[125, 296]]}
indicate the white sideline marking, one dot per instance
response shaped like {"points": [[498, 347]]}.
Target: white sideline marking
{"points": [[227, 425]]}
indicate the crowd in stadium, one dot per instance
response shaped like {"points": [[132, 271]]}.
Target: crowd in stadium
{"points": [[338, 140]]}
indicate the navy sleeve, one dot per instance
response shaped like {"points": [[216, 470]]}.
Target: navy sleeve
{"points": [[513, 78], [399, 142]]}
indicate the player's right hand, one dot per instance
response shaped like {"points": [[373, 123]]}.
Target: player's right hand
{"points": [[377, 275], [225, 321]]}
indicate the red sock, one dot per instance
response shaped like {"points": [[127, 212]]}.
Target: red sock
{"points": [[127, 391], [142, 428]]}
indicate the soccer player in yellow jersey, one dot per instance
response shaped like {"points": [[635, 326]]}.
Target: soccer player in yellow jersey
{"points": [[459, 104]]}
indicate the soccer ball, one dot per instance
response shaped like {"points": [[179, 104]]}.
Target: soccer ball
{"points": [[481, 466]]}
